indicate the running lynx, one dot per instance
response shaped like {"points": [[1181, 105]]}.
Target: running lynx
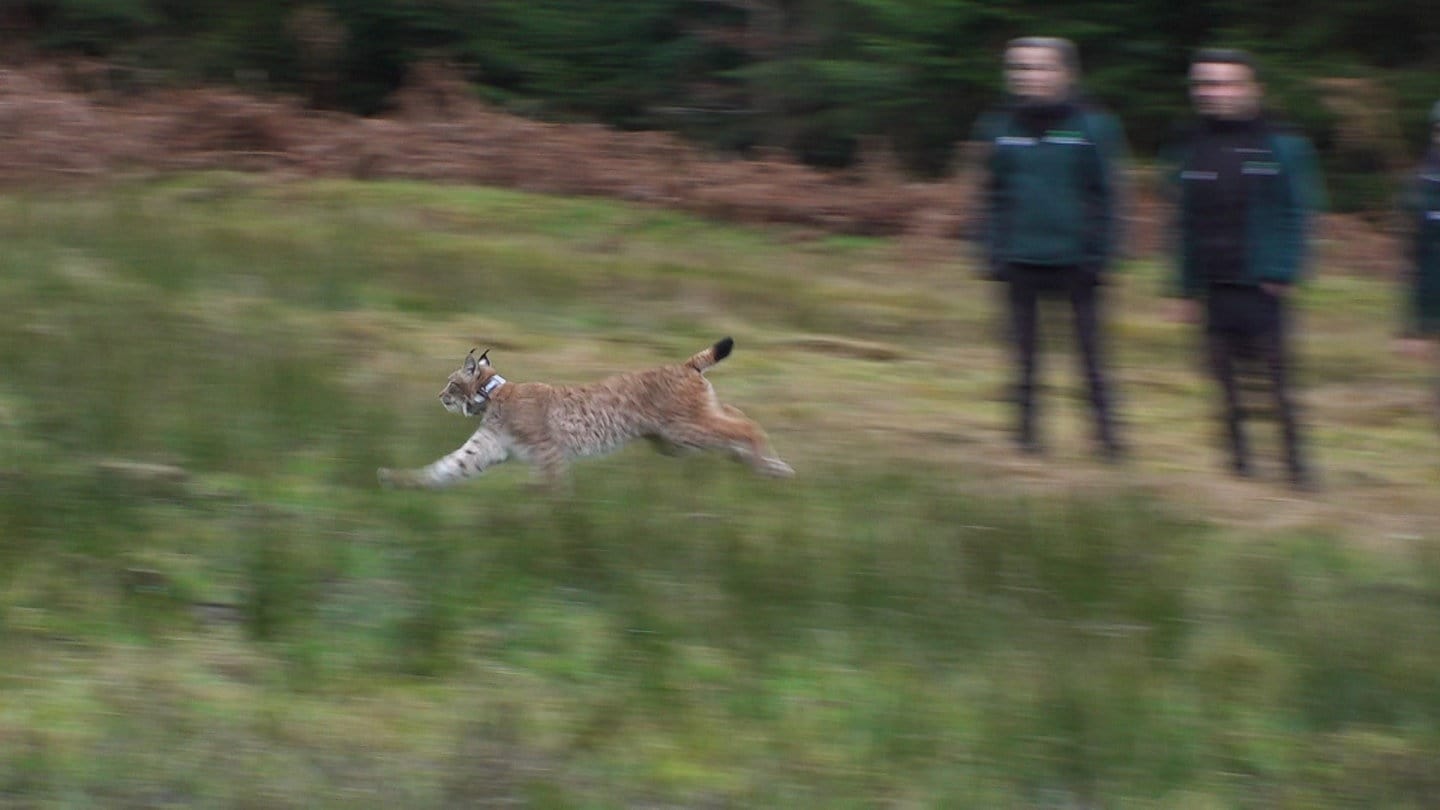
{"points": [[674, 407]]}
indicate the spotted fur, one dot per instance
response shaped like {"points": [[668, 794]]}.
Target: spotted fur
{"points": [[674, 407]]}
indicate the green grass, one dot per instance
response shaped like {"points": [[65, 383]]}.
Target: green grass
{"points": [[206, 602]]}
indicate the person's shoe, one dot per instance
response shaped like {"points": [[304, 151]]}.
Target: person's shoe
{"points": [[1113, 452], [1302, 480]]}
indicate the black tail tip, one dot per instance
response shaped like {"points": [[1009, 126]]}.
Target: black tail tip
{"points": [[723, 348]]}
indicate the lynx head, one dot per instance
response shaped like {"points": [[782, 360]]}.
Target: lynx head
{"points": [[468, 390]]}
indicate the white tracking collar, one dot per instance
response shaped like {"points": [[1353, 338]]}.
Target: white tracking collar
{"points": [[488, 389]]}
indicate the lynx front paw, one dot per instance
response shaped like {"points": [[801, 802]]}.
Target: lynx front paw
{"points": [[407, 479], [776, 468]]}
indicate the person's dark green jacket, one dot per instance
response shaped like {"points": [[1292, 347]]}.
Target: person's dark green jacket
{"points": [[1052, 187], [1423, 202], [1284, 190]]}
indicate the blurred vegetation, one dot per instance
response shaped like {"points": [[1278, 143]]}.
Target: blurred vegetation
{"points": [[205, 601], [817, 77]]}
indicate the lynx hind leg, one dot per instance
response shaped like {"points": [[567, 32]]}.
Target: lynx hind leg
{"points": [[730, 430]]}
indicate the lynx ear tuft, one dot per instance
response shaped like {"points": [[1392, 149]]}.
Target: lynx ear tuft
{"points": [[485, 357]]}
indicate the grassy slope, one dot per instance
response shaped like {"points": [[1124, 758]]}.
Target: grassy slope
{"points": [[920, 618]]}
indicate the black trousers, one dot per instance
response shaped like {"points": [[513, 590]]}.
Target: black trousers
{"points": [[1027, 286], [1248, 328]]}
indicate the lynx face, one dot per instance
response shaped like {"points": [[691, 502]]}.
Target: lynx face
{"points": [[461, 393]]}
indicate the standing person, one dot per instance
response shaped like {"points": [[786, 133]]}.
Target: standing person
{"points": [[1422, 319], [1051, 188], [1247, 188]]}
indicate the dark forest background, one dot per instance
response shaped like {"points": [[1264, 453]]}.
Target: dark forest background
{"points": [[816, 78]]}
